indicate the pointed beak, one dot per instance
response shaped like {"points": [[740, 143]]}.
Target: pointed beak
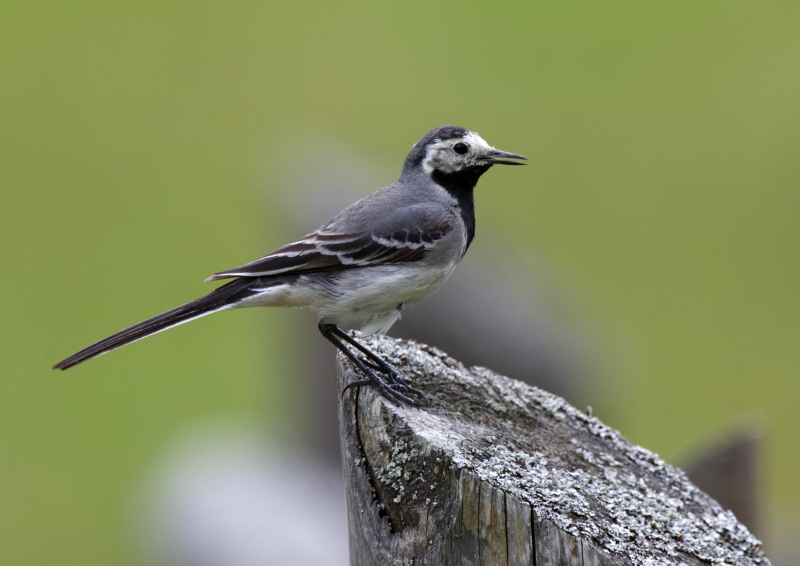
{"points": [[497, 157]]}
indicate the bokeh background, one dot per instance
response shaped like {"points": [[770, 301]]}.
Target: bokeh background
{"points": [[144, 146]]}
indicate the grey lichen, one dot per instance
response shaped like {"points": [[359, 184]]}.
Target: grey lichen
{"points": [[571, 468]]}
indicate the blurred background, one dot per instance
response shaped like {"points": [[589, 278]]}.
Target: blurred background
{"points": [[648, 256]]}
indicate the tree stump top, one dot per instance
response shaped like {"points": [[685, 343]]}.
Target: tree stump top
{"points": [[573, 471]]}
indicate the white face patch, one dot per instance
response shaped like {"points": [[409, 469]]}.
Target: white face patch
{"points": [[441, 155]]}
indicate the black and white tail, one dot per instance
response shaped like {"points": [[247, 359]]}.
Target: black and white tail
{"points": [[218, 299]]}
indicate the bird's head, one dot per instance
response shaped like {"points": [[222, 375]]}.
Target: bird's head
{"points": [[452, 150]]}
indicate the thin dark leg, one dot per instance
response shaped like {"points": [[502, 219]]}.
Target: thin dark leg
{"points": [[384, 388], [375, 361], [394, 388], [394, 379]]}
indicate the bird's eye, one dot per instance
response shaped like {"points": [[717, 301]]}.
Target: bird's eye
{"points": [[461, 148]]}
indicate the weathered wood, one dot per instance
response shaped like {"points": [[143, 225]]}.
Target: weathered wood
{"points": [[492, 471]]}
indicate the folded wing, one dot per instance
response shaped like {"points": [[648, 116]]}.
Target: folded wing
{"points": [[329, 250]]}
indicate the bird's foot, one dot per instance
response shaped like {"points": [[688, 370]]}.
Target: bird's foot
{"points": [[392, 377], [394, 388], [394, 393]]}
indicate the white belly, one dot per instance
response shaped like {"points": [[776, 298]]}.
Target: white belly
{"points": [[373, 296], [369, 297]]}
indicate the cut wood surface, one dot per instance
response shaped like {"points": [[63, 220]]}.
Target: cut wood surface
{"points": [[492, 471]]}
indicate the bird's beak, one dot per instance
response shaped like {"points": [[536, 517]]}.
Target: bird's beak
{"points": [[497, 157]]}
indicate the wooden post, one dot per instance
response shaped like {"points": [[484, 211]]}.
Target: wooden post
{"points": [[492, 471]]}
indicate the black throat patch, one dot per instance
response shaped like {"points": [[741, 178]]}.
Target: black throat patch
{"points": [[461, 184]]}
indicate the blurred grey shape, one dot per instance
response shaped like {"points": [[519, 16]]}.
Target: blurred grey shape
{"points": [[221, 496], [727, 466]]}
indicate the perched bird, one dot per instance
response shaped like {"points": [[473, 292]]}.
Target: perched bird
{"points": [[387, 251]]}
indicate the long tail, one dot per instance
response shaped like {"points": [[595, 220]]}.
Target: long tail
{"points": [[218, 299]]}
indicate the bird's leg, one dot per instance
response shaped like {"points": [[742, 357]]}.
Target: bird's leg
{"points": [[394, 378], [389, 389], [329, 331], [376, 362]]}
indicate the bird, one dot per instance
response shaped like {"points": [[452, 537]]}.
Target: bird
{"points": [[380, 255]]}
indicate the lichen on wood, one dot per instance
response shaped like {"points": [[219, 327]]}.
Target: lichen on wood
{"points": [[493, 471]]}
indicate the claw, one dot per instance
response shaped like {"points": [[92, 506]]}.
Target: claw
{"points": [[386, 390], [355, 384]]}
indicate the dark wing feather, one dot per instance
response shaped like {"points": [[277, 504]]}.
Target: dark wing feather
{"points": [[327, 250]]}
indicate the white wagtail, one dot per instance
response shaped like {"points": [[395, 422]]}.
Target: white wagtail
{"points": [[387, 251]]}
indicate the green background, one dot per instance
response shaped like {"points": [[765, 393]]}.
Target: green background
{"points": [[136, 142]]}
